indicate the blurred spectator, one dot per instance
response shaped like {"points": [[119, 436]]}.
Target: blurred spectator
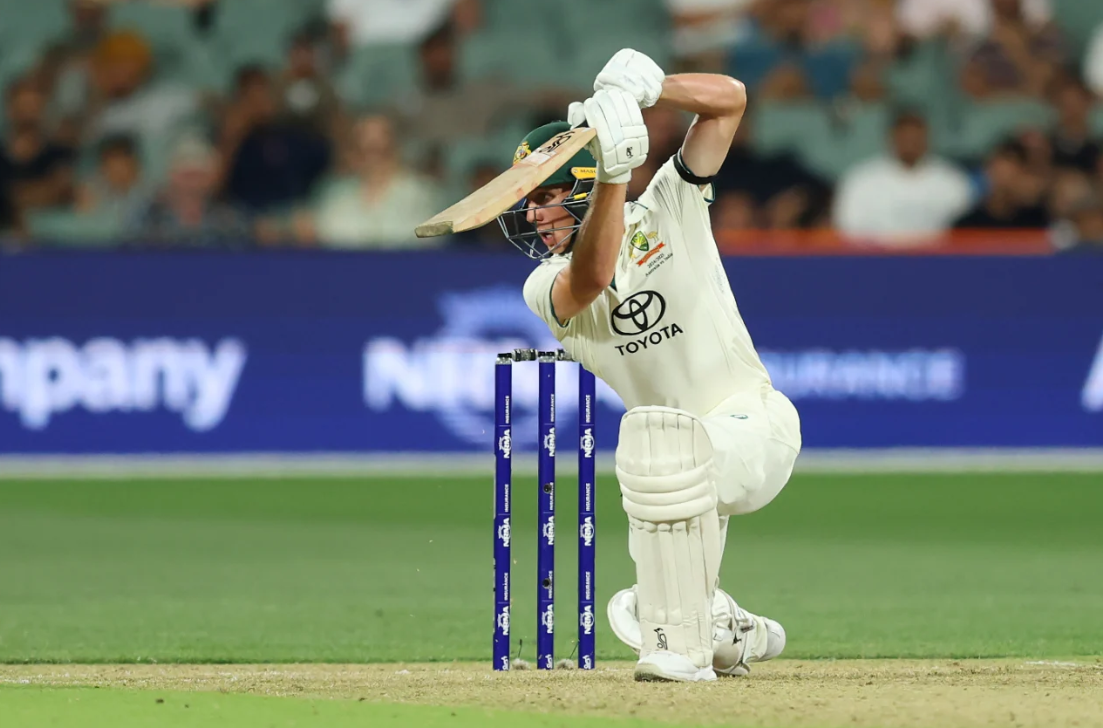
{"points": [[781, 192], [925, 18], [974, 81], [445, 108], [306, 96], [734, 210], [271, 164], [358, 23], [1071, 139], [115, 191], [785, 41], [1067, 192], [383, 203], [705, 29], [185, 213], [867, 83], [908, 191], [1093, 63], [1009, 201], [119, 95], [1068, 189], [875, 22], [35, 172], [1087, 219], [88, 25], [1018, 57], [786, 82], [1039, 150], [66, 64]]}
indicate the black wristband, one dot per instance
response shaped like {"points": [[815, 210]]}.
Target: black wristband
{"points": [[688, 176]]}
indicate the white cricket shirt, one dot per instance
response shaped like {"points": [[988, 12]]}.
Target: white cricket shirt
{"points": [[668, 331]]}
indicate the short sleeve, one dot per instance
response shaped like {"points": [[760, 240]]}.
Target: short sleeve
{"points": [[538, 289], [674, 195]]}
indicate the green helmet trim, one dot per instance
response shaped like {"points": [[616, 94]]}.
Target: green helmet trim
{"points": [[582, 166]]}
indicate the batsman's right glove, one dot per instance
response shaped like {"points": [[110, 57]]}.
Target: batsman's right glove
{"points": [[622, 143]]}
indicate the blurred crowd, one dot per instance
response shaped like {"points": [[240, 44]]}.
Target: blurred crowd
{"points": [[344, 123]]}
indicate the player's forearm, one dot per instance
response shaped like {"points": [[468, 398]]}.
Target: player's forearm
{"points": [[704, 94], [594, 256]]}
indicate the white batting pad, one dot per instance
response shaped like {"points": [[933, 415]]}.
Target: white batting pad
{"points": [[663, 465]]}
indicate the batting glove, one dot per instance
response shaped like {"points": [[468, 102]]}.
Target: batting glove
{"points": [[635, 73], [622, 143]]}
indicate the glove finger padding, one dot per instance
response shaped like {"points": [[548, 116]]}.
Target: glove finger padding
{"points": [[576, 114], [635, 73], [621, 134], [615, 80]]}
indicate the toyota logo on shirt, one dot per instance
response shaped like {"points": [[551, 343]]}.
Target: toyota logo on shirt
{"points": [[638, 313]]}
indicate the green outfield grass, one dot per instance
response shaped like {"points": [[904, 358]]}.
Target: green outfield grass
{"points": [[85, 707], [399, 569]]}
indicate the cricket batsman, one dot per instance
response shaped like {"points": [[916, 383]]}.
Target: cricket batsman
{"points": [[637, 294]]}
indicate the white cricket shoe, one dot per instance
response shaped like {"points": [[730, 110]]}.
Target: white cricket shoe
{"points": [[664, 666], [739, 637]]}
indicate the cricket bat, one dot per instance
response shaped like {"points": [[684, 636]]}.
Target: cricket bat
{"points": [[508, 188]]}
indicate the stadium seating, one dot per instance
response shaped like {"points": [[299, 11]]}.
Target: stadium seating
{"points": [[68, 229], [378, 73], [780, 126], [26, 29], [974, 128], [511, 56], [1078, 19]]}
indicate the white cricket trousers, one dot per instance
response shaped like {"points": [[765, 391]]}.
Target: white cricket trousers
{"points": [[755, 440]]}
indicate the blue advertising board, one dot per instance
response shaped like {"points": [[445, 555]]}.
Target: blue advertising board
{"points": [[393, 352]]}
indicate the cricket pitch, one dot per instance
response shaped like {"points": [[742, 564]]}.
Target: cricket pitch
{"points": [[888, 693]]}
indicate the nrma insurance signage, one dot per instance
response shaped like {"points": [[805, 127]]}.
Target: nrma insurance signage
{"points": [[449, 374], [395, 352]]}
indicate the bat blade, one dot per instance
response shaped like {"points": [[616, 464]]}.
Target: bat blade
{"points": [[508, 188]]}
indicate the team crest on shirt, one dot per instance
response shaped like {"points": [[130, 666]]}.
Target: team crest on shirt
{"points": [[647, 249]]}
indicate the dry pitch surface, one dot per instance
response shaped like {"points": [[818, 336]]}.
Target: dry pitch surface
{"points": [[886, 693]]}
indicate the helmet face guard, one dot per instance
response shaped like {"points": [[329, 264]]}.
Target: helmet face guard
{"points": [[578, 174], [524, 235]]}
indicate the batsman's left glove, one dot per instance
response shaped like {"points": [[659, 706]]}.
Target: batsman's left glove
{"points": [[634, 72]]}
